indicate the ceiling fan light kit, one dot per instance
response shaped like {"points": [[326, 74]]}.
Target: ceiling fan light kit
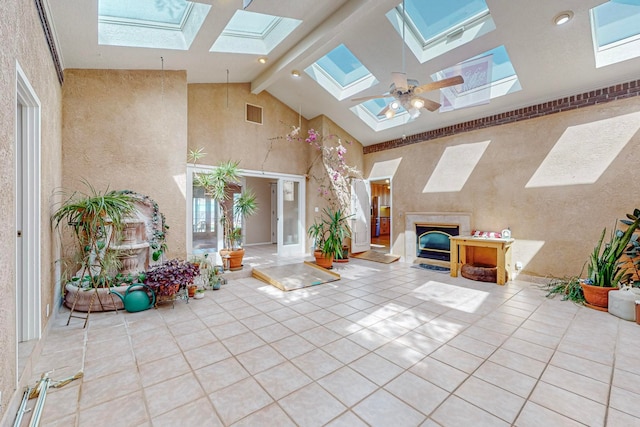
{"points": [[417, 103]]}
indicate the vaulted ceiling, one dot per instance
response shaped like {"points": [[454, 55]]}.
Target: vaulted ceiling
{"points": [[551, 61]]}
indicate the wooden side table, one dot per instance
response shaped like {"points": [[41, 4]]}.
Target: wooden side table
{"points": [[459, 246]]}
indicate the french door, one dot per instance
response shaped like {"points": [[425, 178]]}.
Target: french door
{"points": [[290, 216]]}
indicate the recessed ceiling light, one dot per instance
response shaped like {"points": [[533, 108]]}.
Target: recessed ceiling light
{"points": [[263, 60], [563, 17], [295, 73]]}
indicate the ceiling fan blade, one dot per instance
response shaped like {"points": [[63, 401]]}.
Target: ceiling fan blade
{"points": [[384, 111], [366, 98], [399, 80], [451, 81], [429, 104]]}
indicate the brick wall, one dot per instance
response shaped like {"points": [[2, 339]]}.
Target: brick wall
{"points": [[599, 96]]}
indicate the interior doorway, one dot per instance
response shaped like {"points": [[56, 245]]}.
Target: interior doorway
{"points": [[279, 218], [381, 215]]}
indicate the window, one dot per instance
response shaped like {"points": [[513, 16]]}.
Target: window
{"points": [[434, 27], [486, 76], [254, 33], [168, 24], [340, 73], [615, 29]]}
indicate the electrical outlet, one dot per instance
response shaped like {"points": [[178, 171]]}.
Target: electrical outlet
{"points": [[518, 265], [315, 209]]}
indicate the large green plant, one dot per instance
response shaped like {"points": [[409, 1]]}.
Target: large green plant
{"points": [[216, 184], [330, 231], [605, 268], [96, 219]]}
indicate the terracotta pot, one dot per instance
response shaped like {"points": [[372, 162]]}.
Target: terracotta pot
{"points": [[192, 290], [104, 302], [322, 260], [345, 255], [597, 297], [235, 258]]}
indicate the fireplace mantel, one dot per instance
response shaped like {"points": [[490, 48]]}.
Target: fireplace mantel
{"points": [[462, 219]]}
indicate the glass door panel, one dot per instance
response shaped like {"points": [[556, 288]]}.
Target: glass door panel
{"points": [[290, 222], [204, 222]]}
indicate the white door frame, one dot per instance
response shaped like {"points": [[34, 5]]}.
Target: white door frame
{"points": [[280, 177], [390, 184], [361, 220], [28, 210], [299, 248]]}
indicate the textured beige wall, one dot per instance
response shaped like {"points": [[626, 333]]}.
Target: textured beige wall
{"points": [[555, 225], [128, 130], [22, 40], [217, 124]]}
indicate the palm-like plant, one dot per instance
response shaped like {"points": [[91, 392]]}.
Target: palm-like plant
{"points": [[605, 268], [217, 185]]}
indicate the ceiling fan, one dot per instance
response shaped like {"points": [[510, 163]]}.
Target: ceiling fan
{"points": [[406, 91]]}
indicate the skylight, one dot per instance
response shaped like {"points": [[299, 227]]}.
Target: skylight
{"points": [[340, 73], [434, 27], [254, 33], [615, 31], [170, 13], [372, 113], [486, 76], [170, 24]]}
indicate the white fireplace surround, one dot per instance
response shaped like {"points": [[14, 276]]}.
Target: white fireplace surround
{"points": [[461, 219]]}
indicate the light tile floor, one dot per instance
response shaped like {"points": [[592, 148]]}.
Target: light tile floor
{"points": [[387, 345]]}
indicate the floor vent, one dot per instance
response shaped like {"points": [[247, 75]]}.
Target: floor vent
{"points": [[254, 114]]}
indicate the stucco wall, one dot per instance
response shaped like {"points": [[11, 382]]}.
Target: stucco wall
{"points": [[128, 130], [529, 176], [22, 40], [217, 124]]}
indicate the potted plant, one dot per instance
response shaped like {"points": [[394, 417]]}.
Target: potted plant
{"points": [[96, 219], [233, 210], [605, 270], [215, 278], [199, 293], [328, 235], [168, 278]]}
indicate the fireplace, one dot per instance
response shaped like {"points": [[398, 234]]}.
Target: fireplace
{"points": [[443, 222], [432, 240]]}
